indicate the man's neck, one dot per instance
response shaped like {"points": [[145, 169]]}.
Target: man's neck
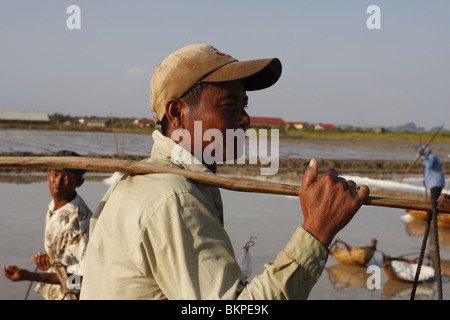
{"points": [[59, 203]]}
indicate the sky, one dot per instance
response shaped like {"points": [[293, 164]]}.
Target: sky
{"points": [[335, 69]]}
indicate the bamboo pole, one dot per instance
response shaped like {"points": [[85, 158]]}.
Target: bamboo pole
{"points": [[236, 184], [418, 156]]}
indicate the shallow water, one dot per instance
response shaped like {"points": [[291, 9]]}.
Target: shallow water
{"points": [[81, 142], [271, 218], [140, 144]]}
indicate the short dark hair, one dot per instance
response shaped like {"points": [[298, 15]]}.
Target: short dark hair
{"points": [[192, 98], [69, 153]]}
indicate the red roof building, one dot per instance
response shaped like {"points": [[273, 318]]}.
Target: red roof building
{"points": [[263, 122], [322, 126]]}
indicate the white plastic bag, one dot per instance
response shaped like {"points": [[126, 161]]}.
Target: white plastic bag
{"points": [[245, 260]]}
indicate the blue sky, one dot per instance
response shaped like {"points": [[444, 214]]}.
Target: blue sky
{"points": [[335, 70]]}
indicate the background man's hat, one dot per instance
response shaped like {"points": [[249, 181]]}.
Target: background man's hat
{"points": [[68, 153], [188, 66]]}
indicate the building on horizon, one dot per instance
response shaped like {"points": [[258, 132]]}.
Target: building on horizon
{"points": [[24, 116]]}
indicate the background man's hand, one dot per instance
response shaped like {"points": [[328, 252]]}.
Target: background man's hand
{"points": [[42, 261], [14, 273], [328, 204]]}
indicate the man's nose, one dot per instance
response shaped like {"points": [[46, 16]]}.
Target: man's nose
{"points": [[244, 119], [59, 180]]}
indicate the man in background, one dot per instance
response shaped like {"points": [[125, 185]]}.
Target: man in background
{"points": [[66, 233], [434, 178]]}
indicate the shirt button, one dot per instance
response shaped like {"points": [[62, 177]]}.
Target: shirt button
{"points": [[321, 262]]}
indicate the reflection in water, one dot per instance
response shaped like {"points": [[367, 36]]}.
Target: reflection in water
{"points": [[416, 228], [394, 289], [344, 276], [348, 277]]}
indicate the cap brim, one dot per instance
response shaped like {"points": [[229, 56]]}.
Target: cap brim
{"points": [[257, 74]]}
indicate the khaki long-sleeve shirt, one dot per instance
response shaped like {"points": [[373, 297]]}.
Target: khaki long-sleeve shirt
{"points": [[161, 236]]}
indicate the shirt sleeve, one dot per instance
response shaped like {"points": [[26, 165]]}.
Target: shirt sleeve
{"points": [[188, 252], [427, 162], [293, 273]]}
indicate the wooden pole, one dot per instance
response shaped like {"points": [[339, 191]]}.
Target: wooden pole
{"points": [[418, 156], [114, 134], [423, 171], [236, 184]]}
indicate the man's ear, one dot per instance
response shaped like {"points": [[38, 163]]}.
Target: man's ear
{"points": [[175, 113], [79, 182]]}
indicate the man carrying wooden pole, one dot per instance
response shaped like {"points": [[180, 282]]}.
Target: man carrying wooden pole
{"points": [[161, 236], [434, 178], [423, 147]]}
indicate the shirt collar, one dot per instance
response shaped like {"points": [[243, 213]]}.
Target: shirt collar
{"points": [[67, 206], [167, 150]]}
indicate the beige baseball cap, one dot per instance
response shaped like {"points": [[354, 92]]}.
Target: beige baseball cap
{"points": [[188, 66]]}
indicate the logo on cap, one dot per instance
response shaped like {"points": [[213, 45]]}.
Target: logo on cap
{"points": [[214, 50]]}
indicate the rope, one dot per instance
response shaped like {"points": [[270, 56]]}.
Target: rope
{"points": [[432, 217], [437, 263], [29, 286]]}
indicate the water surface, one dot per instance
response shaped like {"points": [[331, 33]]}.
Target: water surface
{"points": [[271, 218], [140, 144]]}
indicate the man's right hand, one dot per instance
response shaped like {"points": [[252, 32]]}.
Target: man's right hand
{"points": [[329, 203]]}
